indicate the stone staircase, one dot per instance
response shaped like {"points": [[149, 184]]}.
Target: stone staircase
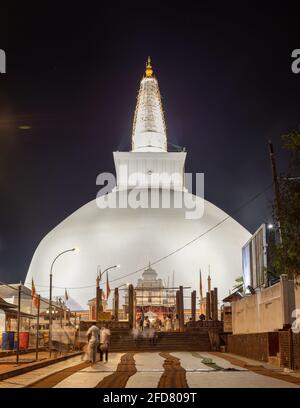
{"points": [[173, 341]]}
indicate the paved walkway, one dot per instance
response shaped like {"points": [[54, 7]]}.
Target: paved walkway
{"points": [[25, 380], [155, 370], [8, 363]]}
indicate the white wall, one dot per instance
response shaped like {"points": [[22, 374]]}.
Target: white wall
{"points": [[267, 310]]}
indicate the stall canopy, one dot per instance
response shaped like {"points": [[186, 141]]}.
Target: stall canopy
{"points": [[6, 306]]}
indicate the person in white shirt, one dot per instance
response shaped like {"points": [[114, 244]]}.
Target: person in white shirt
{"points": [[93, 342], [168, 324], [104, 342]]}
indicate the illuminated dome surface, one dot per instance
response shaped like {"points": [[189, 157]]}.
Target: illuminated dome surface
{"points": [[132, 238]]}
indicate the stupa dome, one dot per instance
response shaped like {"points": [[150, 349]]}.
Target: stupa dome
{"points": [[173, 242], [130, 237]]}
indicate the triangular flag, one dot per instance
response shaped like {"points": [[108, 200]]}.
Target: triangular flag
{"points": [[35, 298], [66, 295]]}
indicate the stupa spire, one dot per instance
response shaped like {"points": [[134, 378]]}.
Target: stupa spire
{"points": [[149, 129], [149, 70]]}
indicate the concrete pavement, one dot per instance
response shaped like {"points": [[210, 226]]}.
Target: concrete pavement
{"points": [[154, 369]]}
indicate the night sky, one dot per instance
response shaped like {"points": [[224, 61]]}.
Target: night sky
{"points": [[73, 74]]}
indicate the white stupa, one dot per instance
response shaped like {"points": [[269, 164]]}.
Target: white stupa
{"points": [[131, 237]]}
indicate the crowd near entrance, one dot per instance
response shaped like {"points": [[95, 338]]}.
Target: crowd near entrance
{"points": [[159, 318]]}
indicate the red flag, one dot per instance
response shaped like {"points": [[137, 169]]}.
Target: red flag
{"points": [[107, 286], [66, 295], [35, 298]]}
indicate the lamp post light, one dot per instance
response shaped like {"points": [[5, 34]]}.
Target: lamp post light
{"points": [[105, 270], [123, 284], [98, 292], [50, 294]]}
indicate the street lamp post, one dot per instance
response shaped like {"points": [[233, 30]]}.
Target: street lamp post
{"points": [[105, 270], [50, 295], [98, 293]]}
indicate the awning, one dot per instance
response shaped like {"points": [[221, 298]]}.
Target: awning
{"points": [[14, 312], [5, 305]]}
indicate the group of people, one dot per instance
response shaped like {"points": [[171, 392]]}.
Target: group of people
{"points": [[167, 324], [97, 340]]}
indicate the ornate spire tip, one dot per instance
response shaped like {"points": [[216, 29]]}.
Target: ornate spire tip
{"points": [[149, 70]]}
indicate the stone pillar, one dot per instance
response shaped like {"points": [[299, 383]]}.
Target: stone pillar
{"points": [[177, 302], [287, 299], [207, 316], [181, 309], [215, 316], [116, 304], [100, 300], [212, 304], [99, 306], [193, 304], [130, 306], [134, 309]]}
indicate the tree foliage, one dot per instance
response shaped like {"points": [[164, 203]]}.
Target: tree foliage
{"points": [[287, 250], [239, 284]]}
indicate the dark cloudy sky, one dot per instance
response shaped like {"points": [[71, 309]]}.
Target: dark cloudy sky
{"points": [[73, 73]]}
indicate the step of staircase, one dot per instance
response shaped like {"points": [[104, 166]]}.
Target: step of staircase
{"points": [[164, 342]]}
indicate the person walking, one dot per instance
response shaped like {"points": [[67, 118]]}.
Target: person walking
{"points": [[93, 342], [168, 324], [104, 342], [176, 323], [142, 321], [135, 335]]}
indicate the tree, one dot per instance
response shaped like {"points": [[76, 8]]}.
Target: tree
{"points": [[286, 254], [239, 284]]}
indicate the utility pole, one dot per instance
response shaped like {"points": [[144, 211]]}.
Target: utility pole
{"points": [[276, 189]]}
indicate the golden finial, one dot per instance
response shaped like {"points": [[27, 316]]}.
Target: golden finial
{"points": [[149, 70]]}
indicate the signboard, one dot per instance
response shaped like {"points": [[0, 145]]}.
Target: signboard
{"points": [[254, 256], [104, 316]]}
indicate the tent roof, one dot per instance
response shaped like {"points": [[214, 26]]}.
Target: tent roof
{"points": [[5, 305]]}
